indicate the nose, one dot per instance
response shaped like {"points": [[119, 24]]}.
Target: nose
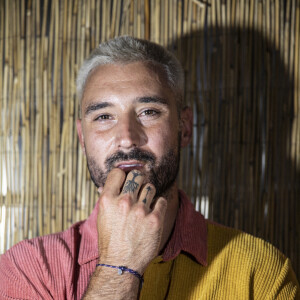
{"points": [[130, 133]]}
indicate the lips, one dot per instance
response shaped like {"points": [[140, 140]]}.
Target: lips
{"points": [[128, 166]]}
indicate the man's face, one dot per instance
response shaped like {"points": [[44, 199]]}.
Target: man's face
{"points": [[130, 120]]}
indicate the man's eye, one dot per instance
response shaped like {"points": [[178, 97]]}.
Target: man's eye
{"points": [[103, 117], [149, 112]]}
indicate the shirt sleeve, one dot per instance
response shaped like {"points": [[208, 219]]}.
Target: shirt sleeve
{"points": [[21, 274], [286, 285], [12, 284]]}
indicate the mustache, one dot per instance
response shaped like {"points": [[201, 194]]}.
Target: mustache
{"points": [[135, 154]]}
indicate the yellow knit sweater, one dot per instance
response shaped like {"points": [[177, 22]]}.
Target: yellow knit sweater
{"points": [[240, 266]]}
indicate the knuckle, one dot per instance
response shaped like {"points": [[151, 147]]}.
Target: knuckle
{"points": [[140, 211], [104, 200], [125, 201], [154, 221], [125, 198]]}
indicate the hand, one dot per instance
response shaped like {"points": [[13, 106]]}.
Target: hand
{"points": [[129, 232]]}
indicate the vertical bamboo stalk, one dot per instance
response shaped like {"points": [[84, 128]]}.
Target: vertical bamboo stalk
{"points": [[2, 150], [147, 20]]}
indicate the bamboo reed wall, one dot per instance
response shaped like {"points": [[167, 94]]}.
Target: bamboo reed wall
{"points": [[242, 64]]}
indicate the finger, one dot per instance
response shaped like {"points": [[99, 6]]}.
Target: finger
{"points": [[133, 183], [147, 194], [160, 208], [114, 182]]}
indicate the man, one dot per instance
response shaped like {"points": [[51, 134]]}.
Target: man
{"points": [[143, 239]]}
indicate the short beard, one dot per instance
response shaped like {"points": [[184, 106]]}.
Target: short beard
{"points": [[162, 174]]}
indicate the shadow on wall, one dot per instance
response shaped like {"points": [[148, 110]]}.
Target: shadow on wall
{"points": [[240, 159]]}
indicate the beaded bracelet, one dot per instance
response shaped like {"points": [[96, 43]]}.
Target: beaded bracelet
{"points": [[122, 269]]}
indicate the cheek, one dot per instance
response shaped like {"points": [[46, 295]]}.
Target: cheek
{"points": [[163, 139], [98, 141], [95, 148]]}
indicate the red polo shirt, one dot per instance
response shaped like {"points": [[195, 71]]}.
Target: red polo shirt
{"points": [[59, 266]]}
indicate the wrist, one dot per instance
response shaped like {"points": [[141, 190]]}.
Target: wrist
{"points": [[106, 284], [123, 269], [128, 263]]}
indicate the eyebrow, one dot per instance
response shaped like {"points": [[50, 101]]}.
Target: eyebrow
{"points": [[96, 106], [149, 99], [152, 100]]}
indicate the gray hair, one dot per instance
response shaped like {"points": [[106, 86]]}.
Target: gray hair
{"points": [[127, 49]]}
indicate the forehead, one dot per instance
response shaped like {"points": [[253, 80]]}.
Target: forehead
{"points": [[136, 79]]}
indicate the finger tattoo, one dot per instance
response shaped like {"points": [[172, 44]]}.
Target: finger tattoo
{"points": [[131, 185], [148, 190]]}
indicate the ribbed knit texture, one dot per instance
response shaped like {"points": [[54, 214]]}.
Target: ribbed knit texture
{"points": [[239, 267], [200, 262]]}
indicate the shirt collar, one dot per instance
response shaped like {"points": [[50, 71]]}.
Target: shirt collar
{"points": [[189, 235]]}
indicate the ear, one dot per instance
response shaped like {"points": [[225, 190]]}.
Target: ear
{"points": [[186, 125], [80, 135]]}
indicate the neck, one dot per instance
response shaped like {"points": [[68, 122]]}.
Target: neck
{"points": [[171, 213]]}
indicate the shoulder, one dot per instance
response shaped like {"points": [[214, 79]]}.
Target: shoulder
{"points": [[250, 259], [243, 245]]}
